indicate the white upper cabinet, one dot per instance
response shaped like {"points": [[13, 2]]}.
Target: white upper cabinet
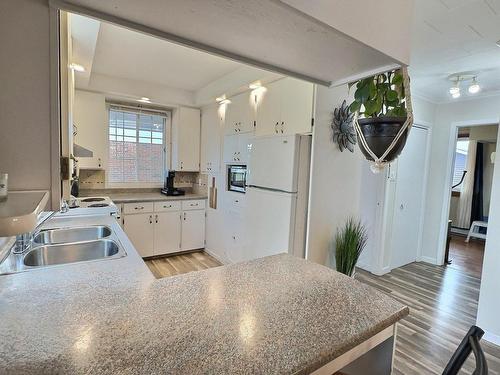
{"points": [[186, 139], [211, 124], [240, 114], [90, 119], [285, 108], [236, 148]]}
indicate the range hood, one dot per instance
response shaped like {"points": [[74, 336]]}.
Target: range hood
{"points": [[82, 152]]}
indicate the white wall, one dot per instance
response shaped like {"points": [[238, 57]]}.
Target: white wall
{"points": [[482, 110], [335, 178], [25, 145]]}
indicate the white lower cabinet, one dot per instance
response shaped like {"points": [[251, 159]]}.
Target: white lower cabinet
{"points": [[166, 227], [193, 230], [167, 233], [140, 230]]}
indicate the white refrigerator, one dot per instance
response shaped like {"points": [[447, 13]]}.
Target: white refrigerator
{"points": [[277, 195]]}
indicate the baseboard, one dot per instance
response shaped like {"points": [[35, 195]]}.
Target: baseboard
{"points": [[428, 260], [216, 256], [492, 338]]}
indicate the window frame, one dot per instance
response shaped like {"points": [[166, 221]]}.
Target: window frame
{"points": [[166, 135]]}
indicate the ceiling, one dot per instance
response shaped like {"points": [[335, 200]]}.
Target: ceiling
{"points": [[128, 54], [452, 36]]}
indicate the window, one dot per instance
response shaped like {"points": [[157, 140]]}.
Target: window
{"points": [[460, 162], [136, 146]]}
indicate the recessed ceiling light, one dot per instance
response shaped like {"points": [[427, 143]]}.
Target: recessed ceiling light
{"points": [[220, 99], [254, 85], [474, 88], [144, 100], [77, 67], [225, 101]]}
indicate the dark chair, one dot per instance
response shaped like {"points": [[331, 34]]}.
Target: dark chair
{"points": [[470, 343]]}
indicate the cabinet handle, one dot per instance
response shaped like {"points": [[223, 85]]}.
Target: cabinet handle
{"points": [[276, 127], [150, 219], [193, 204], [139, 208], [282, 126], [156, 219], [184, 216]]}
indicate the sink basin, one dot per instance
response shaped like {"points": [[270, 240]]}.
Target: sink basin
{"points": [[48, 255], [65, 235]]}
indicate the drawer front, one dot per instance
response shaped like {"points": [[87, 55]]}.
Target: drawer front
{"points": [[167, 206], [197, 204], [137, 208]]}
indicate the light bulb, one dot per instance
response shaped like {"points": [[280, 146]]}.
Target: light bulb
{"points": [[456, 95], [76, 67], [454, 90], [474, 87]]}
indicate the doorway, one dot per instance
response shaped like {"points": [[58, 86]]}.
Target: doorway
{"points": [[469, 206]]}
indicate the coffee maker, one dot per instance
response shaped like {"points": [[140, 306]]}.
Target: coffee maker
{"points": [[168, 186]]}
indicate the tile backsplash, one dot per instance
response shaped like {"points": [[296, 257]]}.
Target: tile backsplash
{"points": [[190, 181]]}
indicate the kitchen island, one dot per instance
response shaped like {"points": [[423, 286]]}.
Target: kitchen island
{"points": [[274, 315]]}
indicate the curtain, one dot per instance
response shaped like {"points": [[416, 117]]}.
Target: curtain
{"points": [[477, 191], [465, 201]]}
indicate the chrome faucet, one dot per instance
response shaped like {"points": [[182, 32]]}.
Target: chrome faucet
{"points": [[23, 241]]}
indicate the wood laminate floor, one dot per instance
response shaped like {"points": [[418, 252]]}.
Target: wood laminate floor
{"points": [[183, 263], [442, 301], [467, 257], [443, 306]]}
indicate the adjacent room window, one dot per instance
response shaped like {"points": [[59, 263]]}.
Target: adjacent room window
{"points": [[460, 162], [136, 146]]}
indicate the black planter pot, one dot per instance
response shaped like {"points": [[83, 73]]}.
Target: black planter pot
{"points": [[379, 133]]}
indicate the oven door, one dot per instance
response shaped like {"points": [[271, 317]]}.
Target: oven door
{"points": [[236, 178]]}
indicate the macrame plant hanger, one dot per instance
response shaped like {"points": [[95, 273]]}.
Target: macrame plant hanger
{"points": [[379, 163]]}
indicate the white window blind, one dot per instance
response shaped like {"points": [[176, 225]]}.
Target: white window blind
{"points": [[460, 162], [136, 145]]}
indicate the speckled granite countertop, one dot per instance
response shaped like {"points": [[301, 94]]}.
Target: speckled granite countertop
{"points": [[275, 315], [134, 197]]}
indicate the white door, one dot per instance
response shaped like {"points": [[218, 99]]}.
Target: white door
{"points": [[408, 202], [188, 140], [231, 148], [140, 230], [210, 139], [167, 232], [296, 106], [269, 110], [193, 230]]}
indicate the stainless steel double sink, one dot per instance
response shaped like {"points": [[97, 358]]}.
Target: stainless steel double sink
{"points": [[59, 246]]}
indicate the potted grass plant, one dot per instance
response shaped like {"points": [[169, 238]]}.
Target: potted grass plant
{"points": [[382, 105], [350, 241]]}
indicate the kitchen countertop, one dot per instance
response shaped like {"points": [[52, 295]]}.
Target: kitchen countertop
{"points": [[274, 315], [134, 197]]}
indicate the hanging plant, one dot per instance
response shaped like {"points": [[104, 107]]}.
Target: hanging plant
{"points": [[383, 115], [344, 133]]}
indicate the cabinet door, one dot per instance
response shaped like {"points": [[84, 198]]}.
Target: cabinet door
{"points": [[231, 148], [90, 118], [296, 106], [193, 230], [240, 114], [140, 230], [210, 139], [244, 146], [167, 232], [186, 140], [269, 109]]}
